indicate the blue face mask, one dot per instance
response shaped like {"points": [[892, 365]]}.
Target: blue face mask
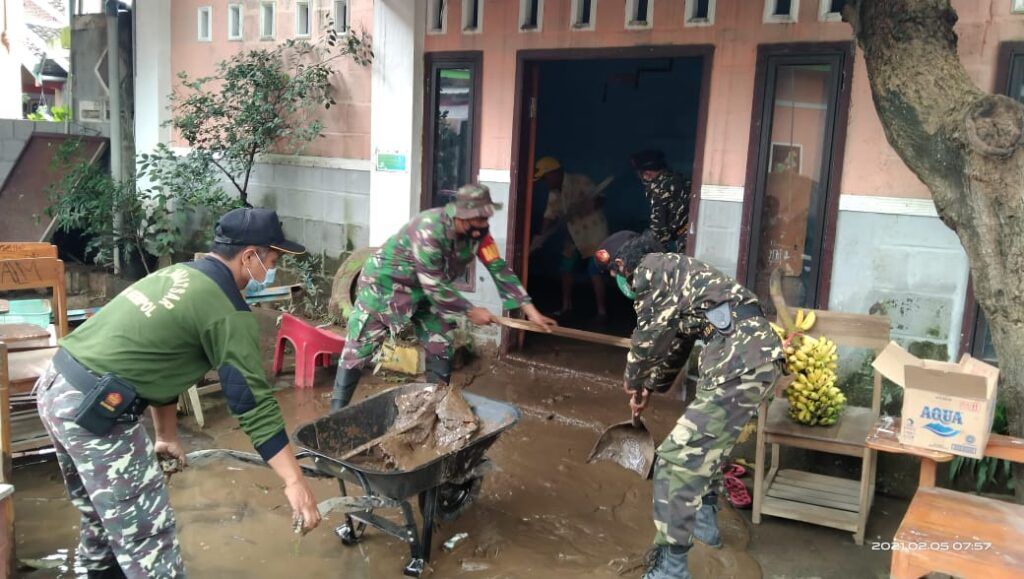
{"points": [[255, 287], [624, 287]]}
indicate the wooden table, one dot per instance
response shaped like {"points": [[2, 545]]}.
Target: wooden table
{"points": [[884, 436], [23, 336]]}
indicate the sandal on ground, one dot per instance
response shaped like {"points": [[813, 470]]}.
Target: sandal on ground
{"points": [[736, 492], [734, 469]]}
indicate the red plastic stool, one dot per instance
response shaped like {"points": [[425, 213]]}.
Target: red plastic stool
{"points": [[313, 347]]}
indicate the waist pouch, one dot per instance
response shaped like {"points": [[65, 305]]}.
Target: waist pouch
{"points": [[108, 399], [722, 318]]}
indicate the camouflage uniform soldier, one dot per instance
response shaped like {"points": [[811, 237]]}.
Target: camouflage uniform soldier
{"points": [[147, 347], [409, 280], [677, 300], [668, 193]]}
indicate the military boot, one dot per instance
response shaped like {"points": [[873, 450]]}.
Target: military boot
{"points": [[114, 572], [706, 530], [344, 387], [668, 562], [438, 370]]}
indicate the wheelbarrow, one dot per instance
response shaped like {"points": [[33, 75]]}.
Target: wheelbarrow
{"points": [[444, 486]]}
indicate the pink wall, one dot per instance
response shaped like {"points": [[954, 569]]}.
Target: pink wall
{"points": [[347, 126], [871, 167]]}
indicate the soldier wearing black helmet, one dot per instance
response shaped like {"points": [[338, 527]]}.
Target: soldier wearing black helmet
{"points": [[668, 193]]}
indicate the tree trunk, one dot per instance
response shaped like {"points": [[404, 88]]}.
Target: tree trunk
{"points": [[966, 146]]}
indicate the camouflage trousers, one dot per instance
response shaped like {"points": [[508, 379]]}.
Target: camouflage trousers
{"points": [[689, 460], [117, 486], [373, 319]]}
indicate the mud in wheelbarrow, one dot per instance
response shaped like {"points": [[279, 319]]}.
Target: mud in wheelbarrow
{"points": [[443, 486]]}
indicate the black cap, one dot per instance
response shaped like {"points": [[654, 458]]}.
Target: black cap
{"points": [[649, 160], [254, 226]]}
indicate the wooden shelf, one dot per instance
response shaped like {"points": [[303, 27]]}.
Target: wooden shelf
{"points": [[813, 498], [848, 436]]}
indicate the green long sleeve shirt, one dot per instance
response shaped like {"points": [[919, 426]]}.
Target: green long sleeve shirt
{"points": [[169, 329]]}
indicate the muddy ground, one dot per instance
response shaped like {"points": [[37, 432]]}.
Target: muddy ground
{"points": [[543, 512]]}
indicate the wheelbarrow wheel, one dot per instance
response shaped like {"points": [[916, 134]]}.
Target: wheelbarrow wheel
{"points": [[348, 535], [454, 498]]}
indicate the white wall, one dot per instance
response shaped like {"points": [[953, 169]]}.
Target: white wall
{"points": [[153, 80], [396, 113]]}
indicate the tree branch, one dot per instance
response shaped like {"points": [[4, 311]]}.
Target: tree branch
{"points": [[229, 175]]}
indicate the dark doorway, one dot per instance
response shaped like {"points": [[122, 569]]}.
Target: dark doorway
{"points": [[591, 112]]}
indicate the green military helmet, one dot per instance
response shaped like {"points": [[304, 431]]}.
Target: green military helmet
{"points": [[473, 201]]}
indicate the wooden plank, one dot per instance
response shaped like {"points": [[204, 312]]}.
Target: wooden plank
{"points": [[853, 330], [850, 432], [818, 482], [1005, 447], [30, 444], [948, 517], [567, 333], [822, 498], [17, 333], [27, 249], [29, 364], [5, 417], [7, 538], [814, 514], [884, 436]]}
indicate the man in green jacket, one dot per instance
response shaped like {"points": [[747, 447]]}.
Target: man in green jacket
{"points": [[145, 348]]}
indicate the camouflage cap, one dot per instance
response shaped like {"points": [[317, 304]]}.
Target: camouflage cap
{"points": [[473, 201]]}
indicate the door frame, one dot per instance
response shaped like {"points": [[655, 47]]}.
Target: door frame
{"points": [[757, 155], [526, 61], [432, 61]]}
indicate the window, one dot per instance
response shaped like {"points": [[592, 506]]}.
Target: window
{"points": [[341, 16], [437, 17], [530, 14], [781, 11], [472, 15], [583, 14], [268, 14], [303, 19], [831, 10], [1018, 7], [235, 20], [451, 131], [204, 33], [791, 218], [700, 12], [638, 13]]}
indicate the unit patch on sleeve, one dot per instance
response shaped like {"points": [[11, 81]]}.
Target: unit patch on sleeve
{"points": [[488, 252]]}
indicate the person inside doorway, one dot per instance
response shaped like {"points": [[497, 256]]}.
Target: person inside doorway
{"points": [[574, 200], [668, 193]]}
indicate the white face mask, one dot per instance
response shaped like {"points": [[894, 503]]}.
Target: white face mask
{"points": [[254, 286]]}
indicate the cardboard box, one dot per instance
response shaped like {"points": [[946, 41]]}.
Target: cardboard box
{"points": [[946, 407]]}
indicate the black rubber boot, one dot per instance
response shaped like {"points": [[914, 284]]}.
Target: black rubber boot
{"points": [[439, 370], [706, 530], [114, 572], [344, 387], [668, 562]]}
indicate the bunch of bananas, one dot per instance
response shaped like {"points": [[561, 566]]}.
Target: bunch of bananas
{"points": [[813, 396]]}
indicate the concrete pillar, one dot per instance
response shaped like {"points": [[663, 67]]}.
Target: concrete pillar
{"points": [[396, 117], [152, 73]]}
